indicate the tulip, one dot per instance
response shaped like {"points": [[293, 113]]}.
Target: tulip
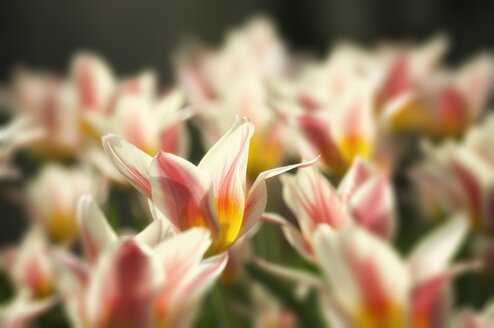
{"points": [[365, 196], [340, 134], [30, 270], [29, 266], [210, 195], [152, 279], [415, 97], [367, 284], [464, 172], [52, 197]]}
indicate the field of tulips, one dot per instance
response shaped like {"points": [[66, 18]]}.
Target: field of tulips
{"points": [[262, 188]]}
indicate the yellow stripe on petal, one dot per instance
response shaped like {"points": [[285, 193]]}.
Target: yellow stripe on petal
{"points": [[354, 145], [389, 316], [230, 215], [265, 152]]}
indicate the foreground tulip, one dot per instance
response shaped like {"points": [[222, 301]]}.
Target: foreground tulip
{"points": [[212, 194], [368, 284], [153, 279], [364, 196]]}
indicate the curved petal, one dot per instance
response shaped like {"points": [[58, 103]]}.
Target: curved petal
{"points": [[226, 164], [183, 193], [94, 81], [373, 206], [313, 200], [257, 195], [432, 255], [130, 161], [356, 175], [154, 233], [317, 133], [177, 306], [292, 235], [94, 228], [183, 251]]}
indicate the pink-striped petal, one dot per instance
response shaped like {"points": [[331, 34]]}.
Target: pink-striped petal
{"points": [[317, 133], [124, 287], [257, 195], [94, 82], [183, 193], [226, 164], [177, 307], [373, 206], [130, 161], [313, 200], [356, 175]]}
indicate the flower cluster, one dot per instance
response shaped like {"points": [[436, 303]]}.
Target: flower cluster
{"points": [[388, 209]]}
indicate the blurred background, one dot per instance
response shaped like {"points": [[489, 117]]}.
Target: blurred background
{"points": [[133, 34]]}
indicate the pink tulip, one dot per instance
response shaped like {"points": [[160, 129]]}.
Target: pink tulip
{"points": [[364, 196], [210, 195], [367, 284], [154, 278]]}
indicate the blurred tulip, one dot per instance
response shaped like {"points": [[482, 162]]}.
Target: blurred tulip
{"points": [[22, 311], [210, 195], [417, 96], [464, 174], [153, 279], [467, 318], [29, 266], [232, 81], [30, 270], [340, 134], [52, 197], [367, 284], [364, 196]]}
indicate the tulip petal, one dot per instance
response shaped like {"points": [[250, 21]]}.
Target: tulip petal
{"points": [[372, 206], [154, 233], [301, 277], [356, 175], [292, 235], [257, 195], [182, 252], [313, 200], [319, 137], [183, 193], [124, 287], [95, 230], [179, 301], [226, 164], [432, 255], [130, 161], [22, 311]]}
